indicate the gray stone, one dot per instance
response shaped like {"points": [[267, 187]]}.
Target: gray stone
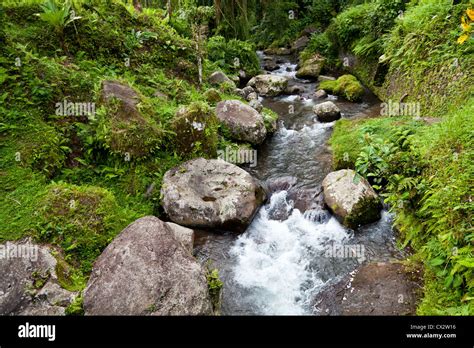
{"points": [[327, 111], [242, 121], [29, 284], [268, 85], [351, 198], [147, 271], [211, 194]]}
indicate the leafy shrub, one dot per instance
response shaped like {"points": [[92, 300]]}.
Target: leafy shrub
{"points": [[233, 55]]}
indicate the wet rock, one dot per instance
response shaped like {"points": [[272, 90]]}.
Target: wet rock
{"points": [[269, 85], [279, 209], [242, 122], [294, 90], [270, 65], [307, 199], [218, 77], [147, 271], [311, 68], [327, 112], [351, 198], [211, 194], [280, 184], [320, 94], [381, 289], [29, 283]]}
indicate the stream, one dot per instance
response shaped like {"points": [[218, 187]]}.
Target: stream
{"points": [[281, 263]]}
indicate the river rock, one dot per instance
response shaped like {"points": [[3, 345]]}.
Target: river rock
{"points": [[218, 77], [311, 68], [351, 198], [211, 194], [320, 94], [29, 283], [269, 85], [147, 271], [270, 65], [283, 183], [243, 122], [327, 112], [294, 90]]}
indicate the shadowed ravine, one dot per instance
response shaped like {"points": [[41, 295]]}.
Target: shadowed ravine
{"points": [[279, 264]]}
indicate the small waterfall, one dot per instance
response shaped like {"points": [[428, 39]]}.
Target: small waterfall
{"points": [[274, 259]]}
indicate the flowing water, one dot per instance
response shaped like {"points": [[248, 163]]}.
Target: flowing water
{"points": [[292, 249]]}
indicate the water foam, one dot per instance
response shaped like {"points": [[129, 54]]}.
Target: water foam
{"points": [[274, 259]]}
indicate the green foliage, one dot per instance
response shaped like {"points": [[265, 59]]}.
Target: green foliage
{"points": [[346, 86], [80, 220], [233, 55], [76, 307], [215, 287], [424, 173]]}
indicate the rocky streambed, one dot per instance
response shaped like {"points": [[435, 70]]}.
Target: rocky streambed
{"points": [[288, 235]]}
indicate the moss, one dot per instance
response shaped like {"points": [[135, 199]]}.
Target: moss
{"points": [[365, 211], [76, 307], [196, 131], [81, 220], [215, 289], [270, 119], [212, 96], [346, 86]]}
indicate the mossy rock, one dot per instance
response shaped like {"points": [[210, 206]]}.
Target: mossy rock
{"points": [[125, 124], [82, 220], [212, 96], [270, 119], [346, 86], [364, 212], [196, 128]]}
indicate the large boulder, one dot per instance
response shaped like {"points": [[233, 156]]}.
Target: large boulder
{"points": [[327, 111], [147, 271], [29, 283], [211, 194], [269, 85], [351, 198], [241, 121], [128, 132], [311, 68]]}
